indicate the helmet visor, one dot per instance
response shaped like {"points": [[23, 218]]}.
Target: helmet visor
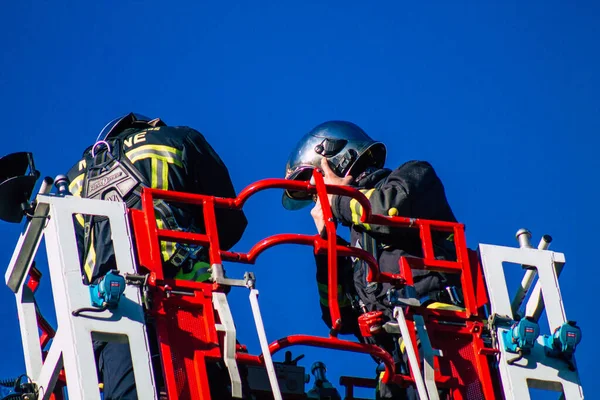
{"points": [[297, 199]]}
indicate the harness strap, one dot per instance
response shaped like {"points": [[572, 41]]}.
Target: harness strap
{"points": [[117, 170]]}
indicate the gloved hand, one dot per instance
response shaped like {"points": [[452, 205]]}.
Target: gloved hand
{"points": [[330, 178]]}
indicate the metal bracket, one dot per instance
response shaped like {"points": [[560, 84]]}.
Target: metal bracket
{"points": [[428, 353], [410, 352], [264, 344], [218, 276], [227, 326]]}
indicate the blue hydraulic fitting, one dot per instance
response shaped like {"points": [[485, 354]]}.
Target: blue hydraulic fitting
{"points": [[521, 337], [564, 340], [107, 292]]}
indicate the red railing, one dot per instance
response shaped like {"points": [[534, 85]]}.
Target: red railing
{"points": [[148, 237]]}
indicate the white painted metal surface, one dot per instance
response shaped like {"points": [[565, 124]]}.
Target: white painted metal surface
{"points": [[222, 307], [410, 352], [535, 370], [428, 353], [72, 346], [264, 344]]}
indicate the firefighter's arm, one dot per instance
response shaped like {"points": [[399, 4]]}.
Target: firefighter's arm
{"points": [[209, 175], [348, 316], [399, 196]]}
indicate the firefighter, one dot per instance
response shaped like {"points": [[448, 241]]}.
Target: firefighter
{"points": [[346, 155], [130, 153]]}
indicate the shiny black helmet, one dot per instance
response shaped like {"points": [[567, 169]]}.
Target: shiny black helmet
{"points": [[346, 146], [131, 120]]}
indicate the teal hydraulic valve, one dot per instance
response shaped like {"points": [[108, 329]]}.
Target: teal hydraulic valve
{"points": [[106, 293], [521, 337], [562, 343]]}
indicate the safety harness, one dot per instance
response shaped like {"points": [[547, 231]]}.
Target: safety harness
{"points": [[110, 175]]}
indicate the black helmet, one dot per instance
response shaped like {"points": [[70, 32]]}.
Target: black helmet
{"points": [[131, 120], [346, 146]]}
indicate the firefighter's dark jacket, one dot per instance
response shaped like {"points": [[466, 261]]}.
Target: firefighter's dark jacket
{"points": [[169, 158], [412, 190]]}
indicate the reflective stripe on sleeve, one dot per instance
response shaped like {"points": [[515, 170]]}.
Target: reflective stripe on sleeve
{"points": [[357, 210]]}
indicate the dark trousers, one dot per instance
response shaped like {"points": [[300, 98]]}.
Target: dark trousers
{"points": [[390, 344], [115, 370]]}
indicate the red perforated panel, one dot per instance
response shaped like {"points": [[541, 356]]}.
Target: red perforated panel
{"points": [[459, 361]]}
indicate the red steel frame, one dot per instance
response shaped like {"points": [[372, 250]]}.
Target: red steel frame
{"points": [[187, 379]]}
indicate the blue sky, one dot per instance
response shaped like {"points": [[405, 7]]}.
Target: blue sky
{"points": [[501, 97]]}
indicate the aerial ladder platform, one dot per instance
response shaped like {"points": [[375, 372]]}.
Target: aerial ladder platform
{"points": [[489, 347]]}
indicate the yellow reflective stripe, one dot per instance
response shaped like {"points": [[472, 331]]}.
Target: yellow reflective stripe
{"points": [[165, 176], [169, 159], [90, 260], [444, 306], [167, 249], [80, 219], [357, 209], [168, 154], [160, 180], [368, 193], [160, 174], [76, 185], [160, 156], [154, 165], [163, 250]]}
